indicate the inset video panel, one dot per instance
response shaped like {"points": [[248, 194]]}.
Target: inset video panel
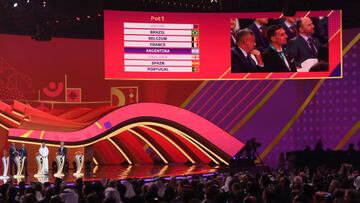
{"points": [[222, 46]]}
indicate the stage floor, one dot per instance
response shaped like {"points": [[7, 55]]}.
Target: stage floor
{"points": [[118, 172]]}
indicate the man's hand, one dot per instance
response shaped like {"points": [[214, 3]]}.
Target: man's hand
{"points": [[258, 57]]}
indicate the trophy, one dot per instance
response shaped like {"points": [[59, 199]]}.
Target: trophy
{"points": [[60, 162], [5, 161], [19, 162], [39, 163], [79, 160]]}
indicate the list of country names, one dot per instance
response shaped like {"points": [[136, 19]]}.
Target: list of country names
{"points": [[161, 47]]}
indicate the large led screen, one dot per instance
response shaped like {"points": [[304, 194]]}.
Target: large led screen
{"points": [[222, 46]]}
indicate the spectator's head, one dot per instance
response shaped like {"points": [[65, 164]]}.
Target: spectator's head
{"points": [[49, 192], [112, 184], [87, 189], [297, 182], [305, 26], [22, 185], [245, 39], [46, 185], [277, 36], [234, 24], [93, 197], [29, 198], [264, 181], [262, 21], [284, 182], [321, 197], [111, 195], [98, 187], [235, 188]]}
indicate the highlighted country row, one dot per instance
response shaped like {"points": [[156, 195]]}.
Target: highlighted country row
{"points": [[136, 50], [162, 56], [160, 26]]}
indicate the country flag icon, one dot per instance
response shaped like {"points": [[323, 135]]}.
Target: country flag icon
{"points": [[195, 57], [195, 69], [195, 51], [195, 63], [194, 32]]}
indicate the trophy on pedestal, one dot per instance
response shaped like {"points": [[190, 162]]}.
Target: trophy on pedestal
{"points": [[5, 161], [60, 162], [79, 160], [39, 163], [19, 162]]}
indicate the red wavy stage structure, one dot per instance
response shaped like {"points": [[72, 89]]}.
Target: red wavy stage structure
{"points": [[143, 133]]}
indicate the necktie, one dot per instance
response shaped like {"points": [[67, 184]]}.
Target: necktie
{"points": [[312, 45], [263, 32], [282, 56], [293, 29]]}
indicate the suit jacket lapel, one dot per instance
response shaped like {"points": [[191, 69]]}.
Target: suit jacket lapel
{"points": [[280, 60], [305, 43]]}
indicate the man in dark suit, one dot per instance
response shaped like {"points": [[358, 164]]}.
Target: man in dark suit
{"points": [[289, 25], [13, 153], [62, 151], [23, 154], [274, 56], [259, 29], [303, 46], [244, 57]]}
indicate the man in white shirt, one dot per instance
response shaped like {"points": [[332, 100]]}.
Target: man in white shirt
{"points": [[44, 152]]}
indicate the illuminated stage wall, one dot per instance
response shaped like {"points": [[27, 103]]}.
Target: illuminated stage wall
{"points": [[283, 115]]}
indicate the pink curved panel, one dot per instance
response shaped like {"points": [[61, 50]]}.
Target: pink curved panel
{"points": [[203, 127], [169, 149], [134, 146]]}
